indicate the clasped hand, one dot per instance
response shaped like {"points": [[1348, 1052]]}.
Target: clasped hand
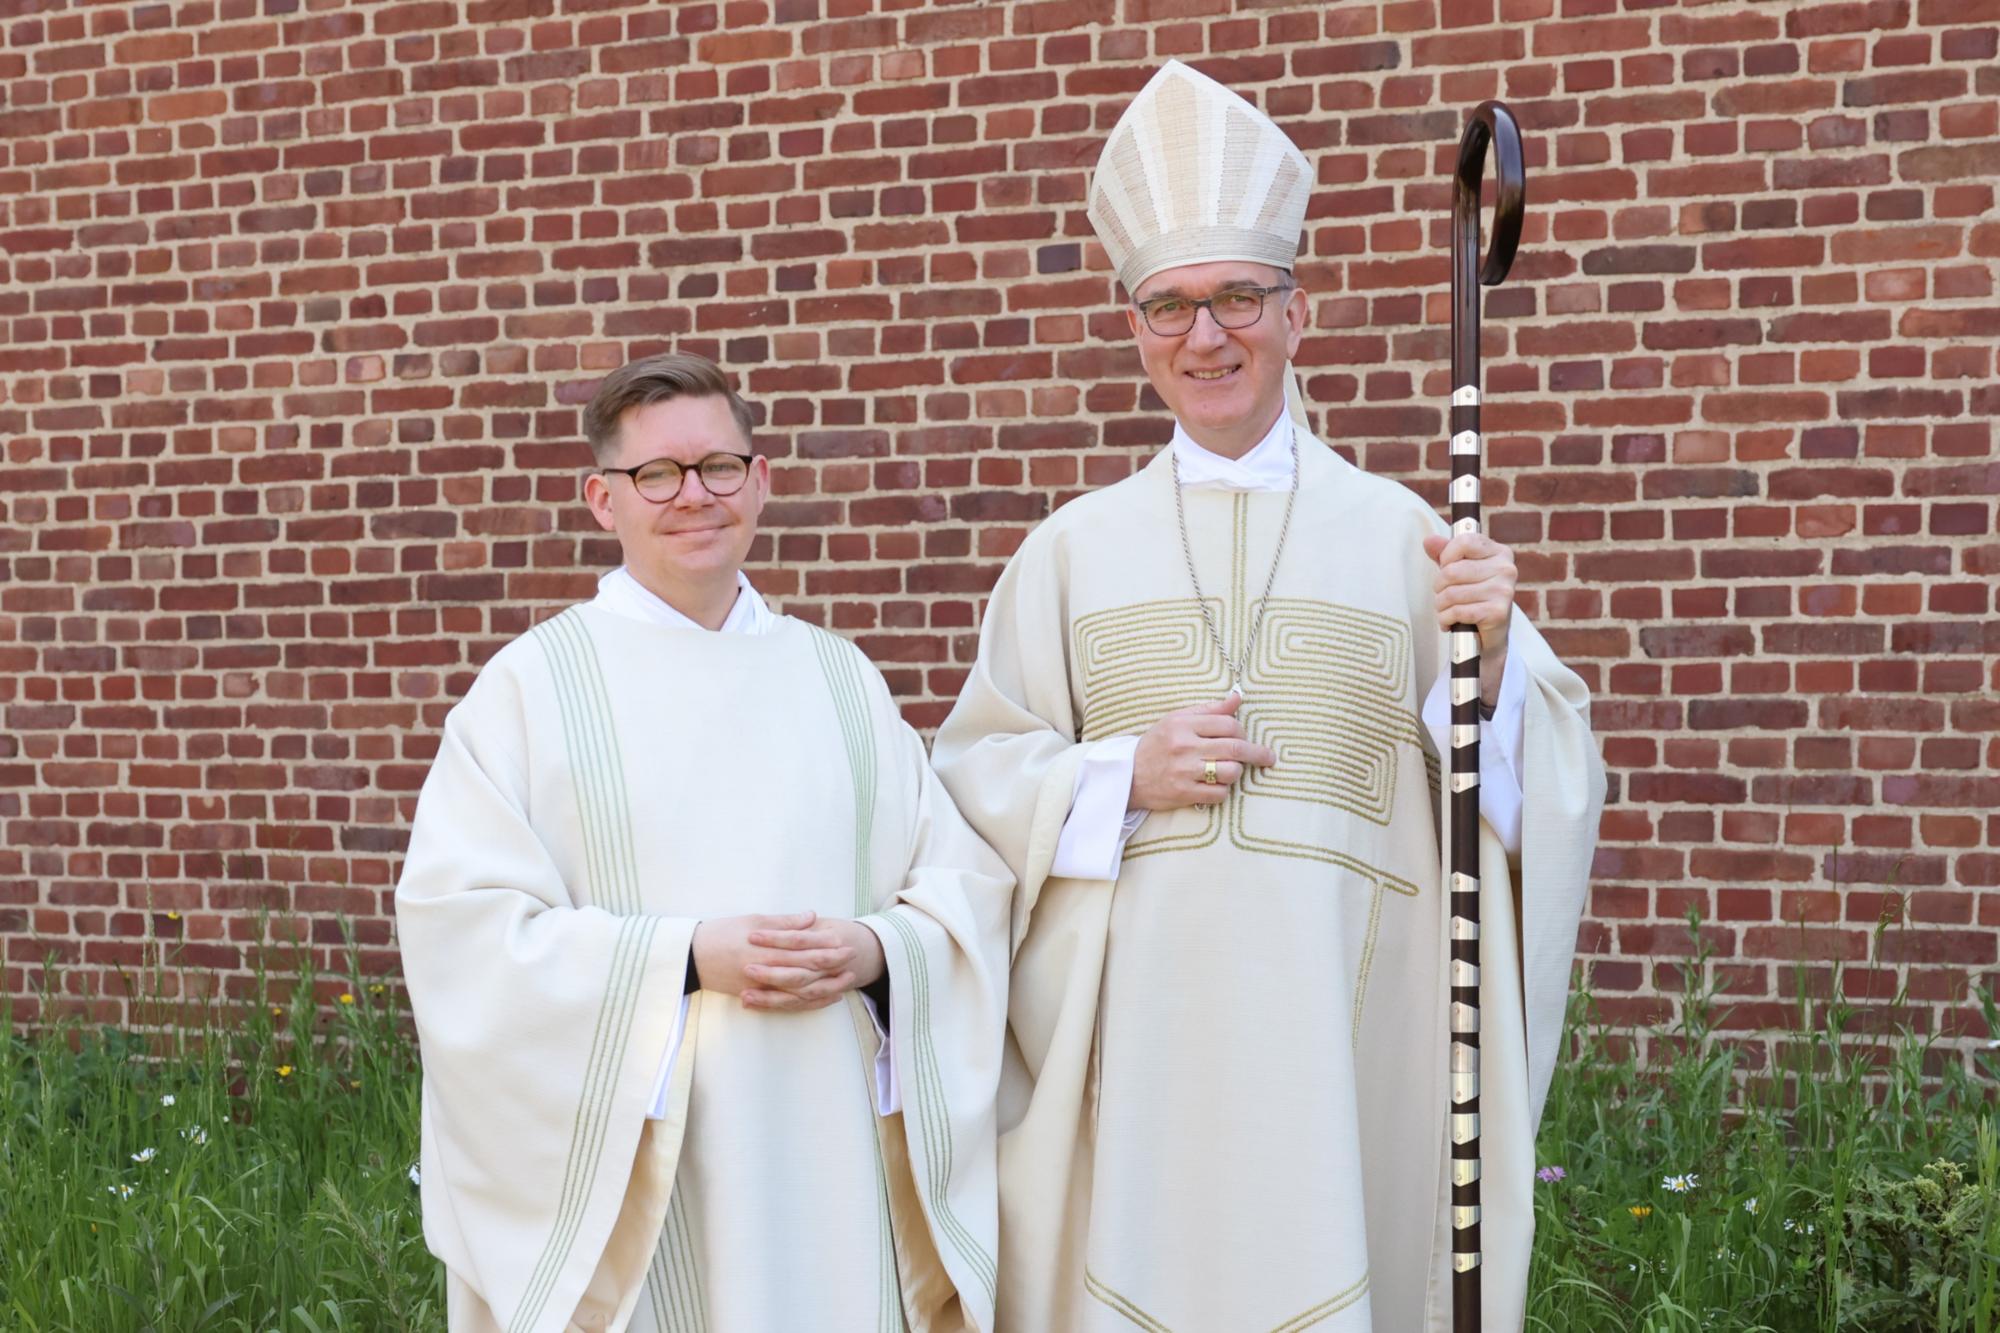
{"points": [[785, 964]]}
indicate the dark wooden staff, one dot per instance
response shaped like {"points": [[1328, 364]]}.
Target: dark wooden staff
{"points": [[1491, 123]]}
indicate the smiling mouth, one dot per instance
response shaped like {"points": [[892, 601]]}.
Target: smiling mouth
{"points": [[1210, 376]]}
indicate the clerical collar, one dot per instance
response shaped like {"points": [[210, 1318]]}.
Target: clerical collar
{"points": [[621, 594], [1267, 467]]}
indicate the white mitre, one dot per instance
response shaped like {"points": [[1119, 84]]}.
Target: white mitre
{"points": [[1191, 174]]}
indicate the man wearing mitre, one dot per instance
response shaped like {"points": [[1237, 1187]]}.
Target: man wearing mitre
{"points": [[668, 840], [1193, 730]]}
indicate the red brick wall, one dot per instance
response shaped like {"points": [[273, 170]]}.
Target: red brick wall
{"points": [[301, 299]]}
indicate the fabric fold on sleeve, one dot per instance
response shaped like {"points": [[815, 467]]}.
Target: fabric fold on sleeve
{"points": [[541, 1023], [944, 946], [1101, 820], [1008, 752]]}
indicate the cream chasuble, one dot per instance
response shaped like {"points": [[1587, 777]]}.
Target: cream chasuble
{"points": [[603, 786], [1223, 1107]]}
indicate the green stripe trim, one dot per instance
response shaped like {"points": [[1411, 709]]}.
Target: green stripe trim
{"points": [[593, 1121], [596, 763], [611, 876], [675, 1280], [847, 687], [850, 704], [931, 1109]]}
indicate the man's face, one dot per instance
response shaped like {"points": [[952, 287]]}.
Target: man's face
{"points": [[1226, 386], [697, 537]]}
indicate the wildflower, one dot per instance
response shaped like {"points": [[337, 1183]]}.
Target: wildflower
{"points": [[166, 1099], [196, 1135], [276, 1012], [1549, 1175], [416, 1176], [119, 1191], [1641, 1210], [1790, 1225], [1679, 1184], [144, 1155], [354, 1083], [173, 916], [1750, 1204], [377, 988], [284, 1071], [347, 997]]}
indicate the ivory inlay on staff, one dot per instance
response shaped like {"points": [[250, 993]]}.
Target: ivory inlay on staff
{"points": [[1204, 730], [668, 839]]}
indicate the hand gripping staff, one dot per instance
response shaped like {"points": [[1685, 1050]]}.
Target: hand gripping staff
{"points": [[1490, 122]]}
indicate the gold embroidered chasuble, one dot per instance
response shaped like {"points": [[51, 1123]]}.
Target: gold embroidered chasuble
{"points": [[1224, 1103], [603, 786]]}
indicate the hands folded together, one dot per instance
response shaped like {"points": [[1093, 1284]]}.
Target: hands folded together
{"points": [[786, 964]]}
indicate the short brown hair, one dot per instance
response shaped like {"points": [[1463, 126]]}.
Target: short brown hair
{"points": [[655, 379]]}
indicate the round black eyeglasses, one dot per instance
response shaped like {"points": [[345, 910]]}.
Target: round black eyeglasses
{"points": [[661, 479]]}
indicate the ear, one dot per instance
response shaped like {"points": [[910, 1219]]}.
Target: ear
{"points": [[1298, 307], [760, 477], [1132, 319], [597, 494]]}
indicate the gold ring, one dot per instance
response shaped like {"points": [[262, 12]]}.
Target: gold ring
{"points": [[1208, 771]]}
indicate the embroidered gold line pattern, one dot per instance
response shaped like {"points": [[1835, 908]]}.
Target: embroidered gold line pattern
{"points": [[1367, 961], [1305, 1319], [1251, 842], [1143, 661], [1139, 663], [1339, 732], [1327, 1308], [1121, 1304]]}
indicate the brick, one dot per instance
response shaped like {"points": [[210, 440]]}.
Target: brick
{"points": [[291, 406]]}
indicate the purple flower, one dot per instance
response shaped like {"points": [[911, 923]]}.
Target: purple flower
{"points": [[1549, 1175]]}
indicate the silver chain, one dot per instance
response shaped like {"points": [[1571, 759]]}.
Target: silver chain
{"points": [[1236, 668]]}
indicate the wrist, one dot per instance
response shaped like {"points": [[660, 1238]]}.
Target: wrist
{"points": [[697, 954], [869, 964], [1492, 670]]}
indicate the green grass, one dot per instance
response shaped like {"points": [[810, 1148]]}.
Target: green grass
{"points": [[256, 1176], [1855, 1187]]}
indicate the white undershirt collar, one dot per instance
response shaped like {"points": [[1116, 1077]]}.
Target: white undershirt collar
{"points": [[1267, 467], [620, 593]]}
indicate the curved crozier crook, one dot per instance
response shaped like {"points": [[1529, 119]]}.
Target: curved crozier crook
{"points": [[1493, 123]]}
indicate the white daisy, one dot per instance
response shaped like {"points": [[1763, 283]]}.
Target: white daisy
{"points": [[144, 1155]]}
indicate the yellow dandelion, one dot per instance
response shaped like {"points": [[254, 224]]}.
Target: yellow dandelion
{"points": [[377, 988], [173, 916], [276, 1012], [1641, 1210], [354, 1083], [285, 1071], [347, 997]]}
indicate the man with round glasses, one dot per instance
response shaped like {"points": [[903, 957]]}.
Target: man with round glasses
{"points": [[1203, 729], [670, 842]]}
